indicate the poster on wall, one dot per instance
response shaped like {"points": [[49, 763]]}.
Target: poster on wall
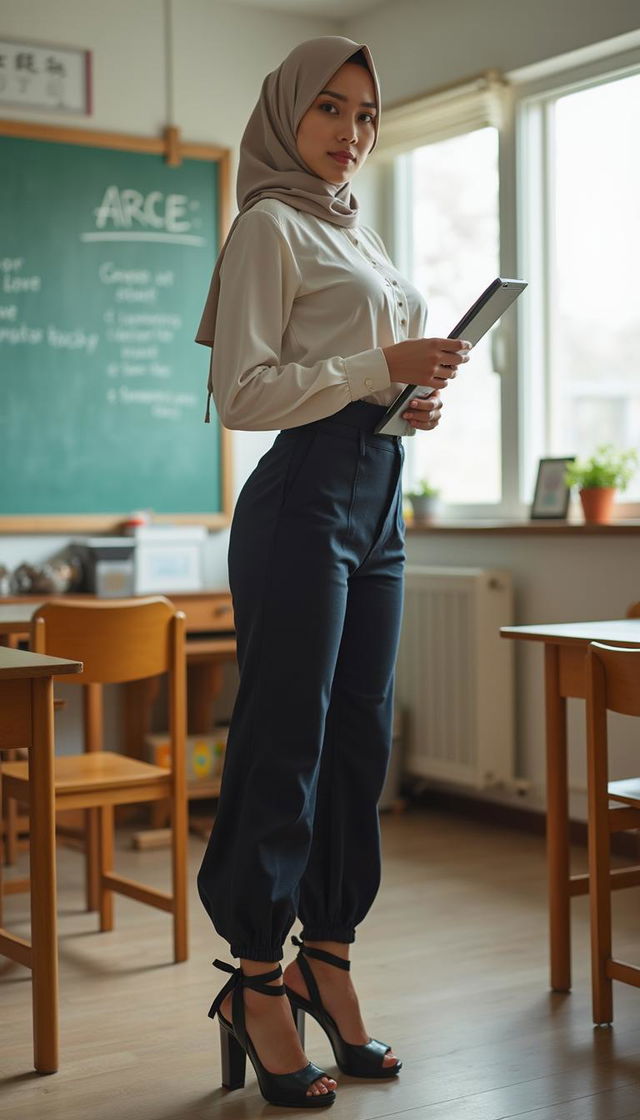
{"points": [[42, 76]]}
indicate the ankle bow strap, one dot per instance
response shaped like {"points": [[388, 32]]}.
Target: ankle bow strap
{"points": [[239, 979], [321, 955]]}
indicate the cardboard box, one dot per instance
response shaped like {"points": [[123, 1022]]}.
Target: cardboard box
{"points": [[204, 754]]}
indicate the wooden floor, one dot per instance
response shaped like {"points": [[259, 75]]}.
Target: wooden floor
{"points": [[451, 967]]}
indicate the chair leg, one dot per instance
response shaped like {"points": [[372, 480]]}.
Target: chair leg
{"points": [[11, 823], [600, 887], [179, 835], [92, 858], [105, 823], [1, 845]]}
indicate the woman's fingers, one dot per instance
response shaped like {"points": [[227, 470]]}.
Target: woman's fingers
{"points": [[425, 361], [441, 377], [424, 413]]}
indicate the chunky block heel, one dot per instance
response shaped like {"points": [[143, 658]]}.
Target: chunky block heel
{"points": [[234, 1060], [356, 1061], [288, 1090]]}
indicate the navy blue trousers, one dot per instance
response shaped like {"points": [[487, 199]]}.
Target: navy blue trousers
{"points": [[316, 561]]}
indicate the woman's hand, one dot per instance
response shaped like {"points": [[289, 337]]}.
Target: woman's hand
{"points": [[424, 413], [432, 362]]}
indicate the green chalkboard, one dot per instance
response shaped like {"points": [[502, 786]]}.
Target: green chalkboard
{"points": [[105, 261]]}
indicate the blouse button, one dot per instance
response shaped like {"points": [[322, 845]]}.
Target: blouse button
{"points": [[400, 303], [395, 283], [403, 322]]}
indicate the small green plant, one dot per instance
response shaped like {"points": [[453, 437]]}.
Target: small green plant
{"points": [[607, 467], [423, 489]]}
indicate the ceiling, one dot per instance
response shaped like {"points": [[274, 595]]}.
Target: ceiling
{"points": [[329, 9]]}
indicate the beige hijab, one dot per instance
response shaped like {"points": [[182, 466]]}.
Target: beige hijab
{"points": [[270, 165]]}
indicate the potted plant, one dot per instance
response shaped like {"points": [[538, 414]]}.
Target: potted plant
{"points": [[599, 477], [425, 500]]}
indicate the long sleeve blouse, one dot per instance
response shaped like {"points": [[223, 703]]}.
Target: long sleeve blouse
{"points": [[305, 308]]}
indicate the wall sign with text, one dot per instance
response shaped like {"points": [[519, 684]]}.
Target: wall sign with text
{"points": [[45, 77]]}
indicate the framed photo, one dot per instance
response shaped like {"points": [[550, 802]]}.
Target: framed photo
{"points": [[551, 496], [43, 76]]}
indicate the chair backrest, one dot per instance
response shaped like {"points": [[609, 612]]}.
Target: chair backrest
{"points": [[117, 640], [613, 680], [633, 611]]}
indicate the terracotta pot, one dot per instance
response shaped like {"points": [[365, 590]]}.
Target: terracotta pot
{"points": [[597, 504]]}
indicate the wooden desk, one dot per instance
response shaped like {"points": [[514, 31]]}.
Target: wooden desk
{"points": [[26, 720], [565, 647]]}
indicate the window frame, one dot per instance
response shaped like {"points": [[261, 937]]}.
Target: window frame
{"points": [[533, 107]]}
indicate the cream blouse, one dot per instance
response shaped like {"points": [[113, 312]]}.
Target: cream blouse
{"points": [[305, 308]]}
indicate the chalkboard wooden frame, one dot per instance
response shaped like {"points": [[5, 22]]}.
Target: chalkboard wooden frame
{"points": [[174, 149]]}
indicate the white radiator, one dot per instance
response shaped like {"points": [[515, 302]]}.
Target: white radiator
{"points": [[454, 680]]}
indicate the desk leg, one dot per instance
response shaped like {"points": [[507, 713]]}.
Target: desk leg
{"points": [[92, 698], [139, 698], [204, 686], [557, 825], [44, 936]]}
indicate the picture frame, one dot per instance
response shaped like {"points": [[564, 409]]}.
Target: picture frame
{"points": [[37, 75], [551, 494]]}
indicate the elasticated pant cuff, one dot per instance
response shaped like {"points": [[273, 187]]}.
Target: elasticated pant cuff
{"points": [[344, 934], [257, 952]]}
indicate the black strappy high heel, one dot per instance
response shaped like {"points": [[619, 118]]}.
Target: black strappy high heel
{"points": [[356, 1061], [288, 1090]]}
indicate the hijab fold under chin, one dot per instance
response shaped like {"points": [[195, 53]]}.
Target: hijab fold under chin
{"points": [[270, 165]]}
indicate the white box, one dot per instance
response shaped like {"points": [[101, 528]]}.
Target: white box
{"points": [[168, 558]]}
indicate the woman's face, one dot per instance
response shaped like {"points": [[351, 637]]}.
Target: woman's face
{"points": [[340, 120]]}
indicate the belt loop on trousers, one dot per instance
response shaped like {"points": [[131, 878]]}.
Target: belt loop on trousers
{"points": [[363, 444]]}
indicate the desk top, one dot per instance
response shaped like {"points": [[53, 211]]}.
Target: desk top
{"points": [[21, 663], [616, 632]]}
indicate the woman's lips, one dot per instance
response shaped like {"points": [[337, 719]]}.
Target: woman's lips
{"points": [[340, 158]]}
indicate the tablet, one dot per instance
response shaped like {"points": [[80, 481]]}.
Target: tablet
{"points": [[486, 311]]}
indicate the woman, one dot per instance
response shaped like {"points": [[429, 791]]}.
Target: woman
{"points": [[315, 334]]}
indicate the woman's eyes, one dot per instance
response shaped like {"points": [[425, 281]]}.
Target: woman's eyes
{"points": [[330, 105]]}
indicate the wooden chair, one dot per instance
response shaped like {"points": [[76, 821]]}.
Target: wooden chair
{"points": [[118, 641], [613, 684]]}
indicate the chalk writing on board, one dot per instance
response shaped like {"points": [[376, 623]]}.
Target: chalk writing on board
{"points": [[129, 342], [125, 214]]}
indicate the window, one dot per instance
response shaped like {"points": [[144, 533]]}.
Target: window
{"points": [[455, 255], [580, 144]]}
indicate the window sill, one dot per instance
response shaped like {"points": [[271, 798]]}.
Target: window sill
{"points": [[514, 528]]}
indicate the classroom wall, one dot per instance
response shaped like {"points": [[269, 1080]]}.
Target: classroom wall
{"points": [[220, 56]]}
